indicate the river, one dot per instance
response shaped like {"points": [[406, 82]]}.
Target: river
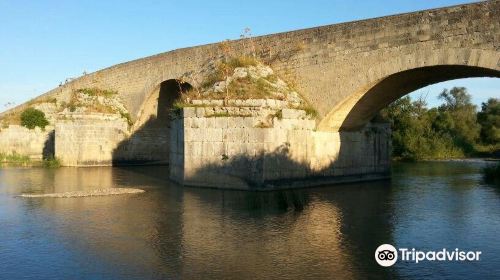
{"points": [[171, 232]]}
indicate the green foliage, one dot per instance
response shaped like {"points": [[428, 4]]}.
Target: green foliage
{"points": [[247, 88], [226, 67], [489, 119], [219, 115], [419, 133], [52, 162], [459, 117], [310, 111], [279, 114], [242, 61], [14, 159], [97, 92], [32, 118], [127, 117]]}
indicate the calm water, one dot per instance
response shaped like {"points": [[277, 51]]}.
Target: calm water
{"points": [[189, 233]]}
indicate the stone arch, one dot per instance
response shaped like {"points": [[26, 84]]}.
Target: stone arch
{"points": [[384, 83], [160, 100], [150, 135]]}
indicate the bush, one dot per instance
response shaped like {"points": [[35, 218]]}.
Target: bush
{"points": [[51, 162], [32, 118]]}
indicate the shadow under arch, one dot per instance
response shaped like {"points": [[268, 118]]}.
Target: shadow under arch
{"points": [[148, 142], [357, 110]]}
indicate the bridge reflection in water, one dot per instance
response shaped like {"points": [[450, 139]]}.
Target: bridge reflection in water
{"points": [[172, 231]]}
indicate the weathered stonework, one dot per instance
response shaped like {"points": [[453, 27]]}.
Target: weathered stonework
{"points": [[35, 143], [335, 66], [262, 151], [89, 140], [348, 72]]}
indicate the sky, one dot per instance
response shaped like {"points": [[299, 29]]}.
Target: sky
{"points": [[44, 42]]}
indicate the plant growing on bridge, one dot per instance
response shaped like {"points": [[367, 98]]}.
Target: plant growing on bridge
{"points": [[97, 92], [247, 35], [225, 47], [32, 118], [14, 159], [51, 162]]}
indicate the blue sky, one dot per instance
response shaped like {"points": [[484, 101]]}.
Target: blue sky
{"points": [[45, 42]]}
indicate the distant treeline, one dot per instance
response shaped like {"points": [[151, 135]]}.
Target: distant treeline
{"points": [[456, 129]]}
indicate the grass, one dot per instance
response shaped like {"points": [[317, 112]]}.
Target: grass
{"points": [[95, 107], [227, 67], [242, 61], [97, 92], [310, 111], [11, 119], [246, 88], [14, 159], [219, 115], [52, 162], [126, 116], [240, 88], [227, 115]]}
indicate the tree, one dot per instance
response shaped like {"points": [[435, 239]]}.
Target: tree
{"points": [[489, 119], [451, 130], [459, 115], [32, 118]]}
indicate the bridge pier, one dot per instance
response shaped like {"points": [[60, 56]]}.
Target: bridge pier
{"points": [[240, 153]]}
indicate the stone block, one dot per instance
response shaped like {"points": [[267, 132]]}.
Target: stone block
{"points": [[200, 112], [256, 135], [213, 134], [189, 112], [194, 134], [234, 134], [221, 122], [198, 123], [293, 113]]}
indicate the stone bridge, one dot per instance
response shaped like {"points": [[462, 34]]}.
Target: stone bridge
{"points": [[348, 71]]}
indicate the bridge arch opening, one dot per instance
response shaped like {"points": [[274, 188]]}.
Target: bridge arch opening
{"points": [[357, 110], [169, 91], [150, 134]]}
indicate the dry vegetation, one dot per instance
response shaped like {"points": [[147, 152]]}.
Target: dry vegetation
{"points": [[234, 87]]}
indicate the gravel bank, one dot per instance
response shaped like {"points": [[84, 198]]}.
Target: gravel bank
{"points": [[96, 192]]}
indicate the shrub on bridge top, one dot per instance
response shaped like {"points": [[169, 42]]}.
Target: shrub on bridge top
{"points": [[31, 118]]}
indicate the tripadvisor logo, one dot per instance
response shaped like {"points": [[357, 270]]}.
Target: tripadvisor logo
{"points": [[387, 255]]}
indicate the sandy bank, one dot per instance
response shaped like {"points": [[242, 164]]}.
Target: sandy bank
{"points": [[96, 192]]}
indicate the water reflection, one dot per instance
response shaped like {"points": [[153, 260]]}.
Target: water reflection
{"points": [[191, 233]]}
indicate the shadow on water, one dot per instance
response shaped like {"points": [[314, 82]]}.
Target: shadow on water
{"points": [[191, 233], [170, 231]]}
